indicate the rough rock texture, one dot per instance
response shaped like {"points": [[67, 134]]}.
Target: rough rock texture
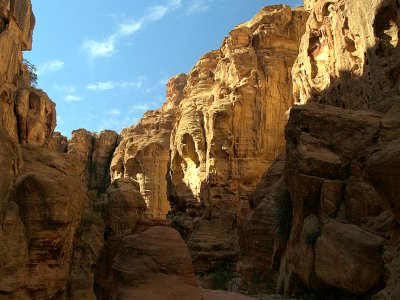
{"points": [[40, 216], [143, 153], [93, 154], [88, 243], [229, 130], [258, 231], [341, 220], [151, 264], [26, 113], [349, 55], [58, 142], [122, 205]]}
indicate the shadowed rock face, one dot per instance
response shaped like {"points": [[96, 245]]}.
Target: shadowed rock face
{"points": [[41, 213], [143, 153], [229, 130], [340, 161]]}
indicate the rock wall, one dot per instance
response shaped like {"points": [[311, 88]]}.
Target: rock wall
{"points": [[143, 153], [349, 55], [93, 153], [26, 113], [341, 156], [230, 129]]}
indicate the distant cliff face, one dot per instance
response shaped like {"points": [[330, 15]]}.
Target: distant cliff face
{"points": [[143, 153]]}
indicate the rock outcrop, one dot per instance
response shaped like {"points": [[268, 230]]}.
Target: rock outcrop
{"points": [[152, 263], [349, 55], [229, 130], [143, 153], [93, 153], [342, 219], [40, 215]]}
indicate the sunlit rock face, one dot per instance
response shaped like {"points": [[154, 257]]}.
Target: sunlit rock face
{"points": [[143, 153], [27, 115], [230, 129], [349, 56]]}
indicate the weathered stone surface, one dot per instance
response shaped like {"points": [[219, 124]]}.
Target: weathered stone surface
{"points": [[58, 142], [93, 153], [36, 116], [229, 130], [41, 215], [153, 264], [143, 153], [258, 231], [103, 148], [353, 251], [349, 55], [122, 205], [350, 189], [88, 243]]}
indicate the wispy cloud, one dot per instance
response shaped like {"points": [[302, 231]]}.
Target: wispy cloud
{"points": [[106, 47], [198, 6], [50, 66], [140, 107], [64, 88], [113, 112], [110, 85], [101, 86], [73, 98]]}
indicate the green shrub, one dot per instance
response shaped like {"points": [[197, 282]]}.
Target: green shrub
{"points": [[33, 77]]}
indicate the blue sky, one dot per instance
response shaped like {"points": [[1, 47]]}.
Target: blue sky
{"points": [[106, 62]]}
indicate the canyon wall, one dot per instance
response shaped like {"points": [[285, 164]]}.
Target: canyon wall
{"points": [[229, 129], [341, 153], [143, 153]]}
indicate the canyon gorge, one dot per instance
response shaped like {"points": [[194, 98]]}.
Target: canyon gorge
{"points": [[270, 171]]}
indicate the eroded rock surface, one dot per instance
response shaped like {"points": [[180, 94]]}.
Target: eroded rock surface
{"points": [[349, 55], [229, 130], [143, 153], [341, 218], [151, 264]]}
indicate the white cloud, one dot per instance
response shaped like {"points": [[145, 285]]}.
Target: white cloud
{"points": [[109, 85], [198, 6], [141, 106], [106, 48], [96, 49], [113, 112], [50, 66], [64, 88], [129, 28], [73, 98], [101, 86]]}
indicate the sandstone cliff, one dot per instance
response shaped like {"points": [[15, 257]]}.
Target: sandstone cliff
{"points": [[143, 153], [340, 160], [229, 130]]}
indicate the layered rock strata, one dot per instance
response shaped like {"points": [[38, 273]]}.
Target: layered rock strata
{"points": [[229, 130], [143, 153]]}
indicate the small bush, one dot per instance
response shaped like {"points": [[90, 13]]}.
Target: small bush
{"points": [[313, 236], [33, 77]]}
